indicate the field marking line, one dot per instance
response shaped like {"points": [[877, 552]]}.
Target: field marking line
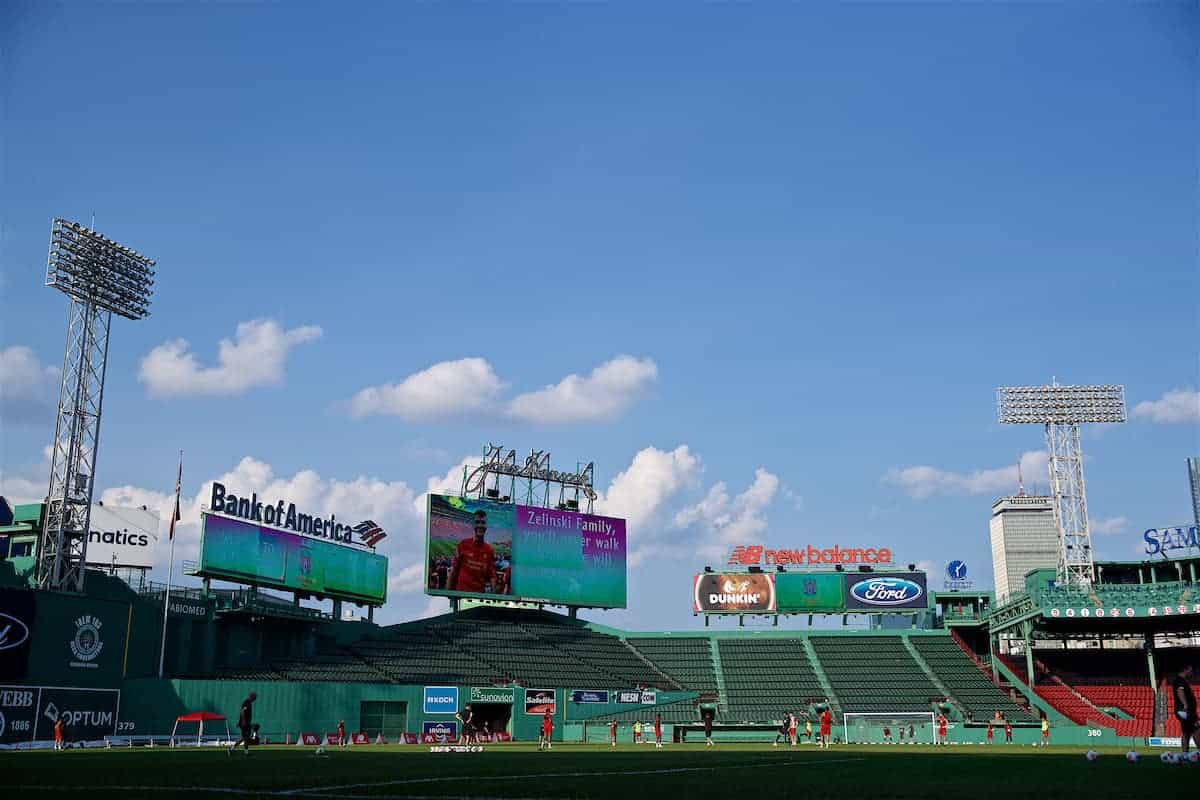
{"points": [[327, 791]]}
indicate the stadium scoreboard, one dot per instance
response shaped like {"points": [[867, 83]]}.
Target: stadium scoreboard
{"points": [[243, 552], [524, 554]]}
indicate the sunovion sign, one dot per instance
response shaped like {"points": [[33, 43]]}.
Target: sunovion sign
{"points": [[281, 515], [886, 592], [1177, 541], [441, 699]]}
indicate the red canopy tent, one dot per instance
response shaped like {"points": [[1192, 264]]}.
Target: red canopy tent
{"points": [[200, 717]]}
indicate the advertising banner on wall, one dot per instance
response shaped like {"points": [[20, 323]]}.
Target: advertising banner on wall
{"points": [[539, 701], [589, 696], [477, 548], [809, 592], [441, 699], [733, 593], [629, 696], [898, 591], [491, 694], [28, 713], [16, 632], [122, 537], [237, 550], [439, 731]]}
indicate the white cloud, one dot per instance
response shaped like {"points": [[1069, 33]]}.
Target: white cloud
{"points": [[447, 389], [922, 482], [28, 389], [724, 522], [1109, 525], [1177, 406], [18, 489], [610, 389], [255, 359]]}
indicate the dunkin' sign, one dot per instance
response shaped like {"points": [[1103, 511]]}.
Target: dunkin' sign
{"points": [[735, 593]]}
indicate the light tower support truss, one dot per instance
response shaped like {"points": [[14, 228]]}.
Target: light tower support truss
{"points": [[537, 479], [1061, 409], [102, 278]]}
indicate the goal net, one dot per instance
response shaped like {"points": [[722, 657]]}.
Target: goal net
{"points": [[874, 728]]}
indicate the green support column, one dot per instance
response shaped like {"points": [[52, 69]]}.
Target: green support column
{"points": [[993, 643], [1150, 659], [1027, 635]]}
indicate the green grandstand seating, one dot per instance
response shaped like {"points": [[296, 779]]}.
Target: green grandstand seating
{"points": [[687, 660], [973, 690], [766, 677], [874, 674]]}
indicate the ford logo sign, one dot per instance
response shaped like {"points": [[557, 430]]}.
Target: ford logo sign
{"points": [[886, 591], [13, 632]]}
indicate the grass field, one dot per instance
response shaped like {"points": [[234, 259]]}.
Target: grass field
{"points": [[520, 771]]}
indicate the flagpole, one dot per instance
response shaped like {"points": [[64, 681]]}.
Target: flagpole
{"points": [[162, 648]]}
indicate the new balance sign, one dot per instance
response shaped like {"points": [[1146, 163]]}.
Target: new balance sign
{"points": [[441, 699]]}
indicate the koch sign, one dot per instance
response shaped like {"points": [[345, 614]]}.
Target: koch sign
{"points": [[589, 696], [886, 591], [441, 699], [1173, 542]]}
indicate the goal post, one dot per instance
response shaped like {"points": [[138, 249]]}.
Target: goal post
{"points": [[869, 727]]}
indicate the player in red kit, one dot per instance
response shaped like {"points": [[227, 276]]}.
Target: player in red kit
{"points": [[612, 733], [990, 733], [658, 730], [826, 728], [474, 565], [1007, 731], [942, 724], [547, 731]]}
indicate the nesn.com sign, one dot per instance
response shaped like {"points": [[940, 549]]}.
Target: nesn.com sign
{"points": [[441, 699]]}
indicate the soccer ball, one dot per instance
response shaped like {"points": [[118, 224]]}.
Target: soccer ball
{"points": [[1169, 758], [1092, 755], [1193, 757], [320, 751], [1132, 757]]}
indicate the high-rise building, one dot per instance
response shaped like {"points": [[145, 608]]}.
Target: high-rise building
{"points": [[1194, 475], [1024, 538]]}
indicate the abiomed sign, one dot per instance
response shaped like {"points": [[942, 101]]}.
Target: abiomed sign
{"points": [[488, 694]]}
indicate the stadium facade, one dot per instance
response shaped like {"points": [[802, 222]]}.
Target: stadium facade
{"points": [[1194, 480], [1086, 660]]}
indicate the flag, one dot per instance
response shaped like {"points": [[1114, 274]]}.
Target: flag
{"points": [[178, 486], [369, 532]]}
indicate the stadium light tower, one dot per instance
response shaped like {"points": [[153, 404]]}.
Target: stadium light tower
{"points": [[1062, 409], [102, 278]]}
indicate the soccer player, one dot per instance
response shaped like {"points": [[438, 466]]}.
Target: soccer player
{"points": [[826, 728], [1185, 708], [58, 733], [1007, 731], [1045, 730], [658, 731], [887, 734], [942, 726], [637, 732], [911, 736], [990, 733], [708, 723], [807, 729], [783, 729], [612, 732], [793, 724], [547, 731], [342, 733], [245, 724], [474, 565]]}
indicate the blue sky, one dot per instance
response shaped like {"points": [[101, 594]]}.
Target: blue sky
{"points": [[799, 245]]}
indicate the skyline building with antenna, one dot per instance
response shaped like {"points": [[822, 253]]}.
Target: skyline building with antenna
{"points": [[1024, 536]]}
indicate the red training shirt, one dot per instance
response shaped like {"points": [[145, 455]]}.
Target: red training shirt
{"points": [[474, 566]]}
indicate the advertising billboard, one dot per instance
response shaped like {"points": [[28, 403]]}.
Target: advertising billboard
{"points": [[809, 592], [539, 701], [884, 591], [16, 632], [122, 537], [28, 713], [441, 699], [234, 550], [476, 548], [733, 593]]}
